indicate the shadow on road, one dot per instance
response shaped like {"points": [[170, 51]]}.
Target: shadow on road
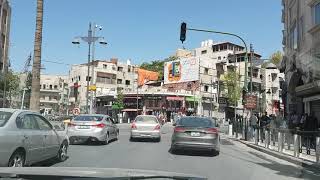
{"points": [[226, 142], [144, 140], [47, 163], [193, 153], [288, 170]]}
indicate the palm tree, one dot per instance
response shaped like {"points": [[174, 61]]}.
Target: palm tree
{"points": [[35, 87]]}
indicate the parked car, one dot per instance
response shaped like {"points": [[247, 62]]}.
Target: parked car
{"points": [[27, 137], [196, 133], [93, 127], [146, 126]]}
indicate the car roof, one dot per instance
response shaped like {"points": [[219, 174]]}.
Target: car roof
{"points": [[15, 110]]}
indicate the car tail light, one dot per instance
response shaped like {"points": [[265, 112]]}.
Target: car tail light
{"points": [[101, 125], [179, 129], [212, 131], [71, 124], [133, 126], [157, 127]]}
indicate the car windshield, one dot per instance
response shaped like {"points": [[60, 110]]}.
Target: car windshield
{"points": [[4, 117], [196, 122], [146, 119], [88, 118]]}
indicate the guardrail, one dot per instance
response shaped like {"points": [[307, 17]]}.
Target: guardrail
{"points": [[294, 142]]}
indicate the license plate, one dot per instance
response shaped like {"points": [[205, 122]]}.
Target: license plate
{"points": [[83, 127], [195, 134], [145, 135]]}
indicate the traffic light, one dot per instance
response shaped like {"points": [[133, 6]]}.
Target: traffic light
{"points": [[183, 32]]}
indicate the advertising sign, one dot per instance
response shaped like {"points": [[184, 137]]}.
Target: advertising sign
{"points": [[183, 70], [251, 102]]}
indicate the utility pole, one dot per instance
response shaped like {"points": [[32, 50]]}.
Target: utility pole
{"points": [[90, 39], [35, 88]]}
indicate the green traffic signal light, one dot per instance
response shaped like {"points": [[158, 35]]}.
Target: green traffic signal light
{"points": [[183, 31]]}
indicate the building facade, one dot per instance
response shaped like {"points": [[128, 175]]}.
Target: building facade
{"points": [[301, 63], [54, 92], [109, 77]]}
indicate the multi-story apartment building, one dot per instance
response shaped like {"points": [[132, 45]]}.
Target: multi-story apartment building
{"points": [[109, 77], [54, 93], [270, 100], [223, 57], [5, 16], [301, 63]]}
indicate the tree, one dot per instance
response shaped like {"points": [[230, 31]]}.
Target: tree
{"points": [[118, 105], [35, 89], [231, 80], [157, 65], [12, 85], [276, 57]]}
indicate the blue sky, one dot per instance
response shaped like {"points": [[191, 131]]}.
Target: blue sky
{"points": [[140, 30]]}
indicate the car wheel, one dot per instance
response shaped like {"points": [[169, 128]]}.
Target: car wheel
{"points": [[63, 152], [215, 152], [158, 139], [106, 141], [132, 139], [173, 150], [117, 135], [17, 159]]}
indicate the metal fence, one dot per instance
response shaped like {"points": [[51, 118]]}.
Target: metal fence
{"points": [[294, 142]]}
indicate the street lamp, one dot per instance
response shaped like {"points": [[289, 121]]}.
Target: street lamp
{"points": [[90, 39]]}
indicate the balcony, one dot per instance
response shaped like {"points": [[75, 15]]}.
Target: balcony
{"points": [[283, 16], [50, 90], [53, 101]]}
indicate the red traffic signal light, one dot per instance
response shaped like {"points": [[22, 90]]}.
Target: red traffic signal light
{"points": [[183, 31]]}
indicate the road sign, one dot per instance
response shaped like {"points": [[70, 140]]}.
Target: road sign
{"points": [[251, 102], [76, 111], [222, 101]]}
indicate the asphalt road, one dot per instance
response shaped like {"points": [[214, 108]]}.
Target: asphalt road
{"points": [[236, 161]]}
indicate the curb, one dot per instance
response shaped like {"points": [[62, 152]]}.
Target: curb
{"points": [[300, 162]]}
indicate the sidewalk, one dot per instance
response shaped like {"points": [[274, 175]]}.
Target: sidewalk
{"points": [[298, 161]]}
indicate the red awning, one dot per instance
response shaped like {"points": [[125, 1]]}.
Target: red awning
{"points": [[131, 110]]}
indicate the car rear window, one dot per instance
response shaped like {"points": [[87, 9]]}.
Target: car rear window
{"points": [[196, 122], [146, 119], [88, 118], [4, 117]]}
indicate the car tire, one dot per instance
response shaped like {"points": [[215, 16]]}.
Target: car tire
{"points": [[17, 159], [132, 139], [173, 150], [63, 152], [117, 135], [158, 139], [215, 152], [106, 141]]}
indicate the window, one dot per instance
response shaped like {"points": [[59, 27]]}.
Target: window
{"points": [[120, 69], [55, 87], [119, 81], [206, 88], [219, 58], [28, 122], [129, 68], [316, 14], [204, 52], [79, 78], [105, 66], [43, 86], [50, 87], [4, 117], [127, 82], [106, 80], [206, 71], [301, 28], [42, 123], [293, 39]]}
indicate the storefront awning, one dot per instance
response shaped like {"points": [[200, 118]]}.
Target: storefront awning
{"points": [[192, 98], [131, 110]]}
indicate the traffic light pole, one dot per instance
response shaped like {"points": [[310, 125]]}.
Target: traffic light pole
{"points": [[183, 37]]}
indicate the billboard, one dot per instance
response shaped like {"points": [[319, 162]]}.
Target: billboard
{"points": [[183, 70]]}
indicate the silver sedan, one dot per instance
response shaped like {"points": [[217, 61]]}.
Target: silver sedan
{"points": [[146, 126], [93, 127], [26, 137]]}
